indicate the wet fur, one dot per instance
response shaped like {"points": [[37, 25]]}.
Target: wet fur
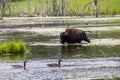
{"points": [[73, 36]]}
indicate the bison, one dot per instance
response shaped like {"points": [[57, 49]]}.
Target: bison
{"points": [[73, 36]]}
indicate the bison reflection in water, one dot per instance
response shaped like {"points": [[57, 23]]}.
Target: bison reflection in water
{"points": [[73, 36]]}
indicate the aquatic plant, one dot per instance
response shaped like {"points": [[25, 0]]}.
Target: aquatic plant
{"points": [[0, 18], [13, 47]]}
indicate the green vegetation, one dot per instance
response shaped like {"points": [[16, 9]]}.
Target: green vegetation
{"points": [[13, 47], [109, 7], [0, 18], [72, 7]]}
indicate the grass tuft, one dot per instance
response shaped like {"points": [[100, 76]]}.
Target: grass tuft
{"points": [[13, 47]]}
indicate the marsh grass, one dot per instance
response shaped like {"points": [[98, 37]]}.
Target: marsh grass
{"points": [[72, 7], [1, 18], [12, 47]]}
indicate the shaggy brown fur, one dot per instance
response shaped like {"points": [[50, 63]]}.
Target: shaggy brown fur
{"points": [[73, 36]]}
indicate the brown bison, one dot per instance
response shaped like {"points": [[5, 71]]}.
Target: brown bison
{"points": [[73, 36]]}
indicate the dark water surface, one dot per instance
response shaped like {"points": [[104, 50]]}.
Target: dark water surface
{"points": [[100, 58]]}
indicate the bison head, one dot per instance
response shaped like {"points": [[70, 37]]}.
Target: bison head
{"points": [[63, 37]]}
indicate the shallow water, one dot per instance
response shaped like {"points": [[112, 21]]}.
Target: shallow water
{"points": [[98, 59], [70, 68]]}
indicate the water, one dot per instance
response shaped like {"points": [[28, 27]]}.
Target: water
{"points": [[70, 68], [98, 59]]}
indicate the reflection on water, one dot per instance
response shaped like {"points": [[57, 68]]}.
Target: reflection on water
{"points": [[47, 52], [100, 58], [46, 44], [13, 57], [74, 51], [70, 68]]}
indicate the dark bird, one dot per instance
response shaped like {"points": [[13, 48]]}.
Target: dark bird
{"points": [[20, 66], [55, 65]]}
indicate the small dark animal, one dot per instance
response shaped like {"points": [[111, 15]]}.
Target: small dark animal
{"points": [[73, 36], [55, 65], [20, 66]]}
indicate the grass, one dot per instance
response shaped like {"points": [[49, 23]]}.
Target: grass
{"points": [[0, 18], [72, 7], [110, 7], [12, 47]]}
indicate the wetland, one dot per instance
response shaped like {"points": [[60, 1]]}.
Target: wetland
{"points": [[98, 59]]}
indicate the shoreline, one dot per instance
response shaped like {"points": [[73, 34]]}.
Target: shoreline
{"points": [[87, 18]]}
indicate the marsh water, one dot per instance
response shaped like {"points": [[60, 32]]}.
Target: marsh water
{"points": [[98, 59]]}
